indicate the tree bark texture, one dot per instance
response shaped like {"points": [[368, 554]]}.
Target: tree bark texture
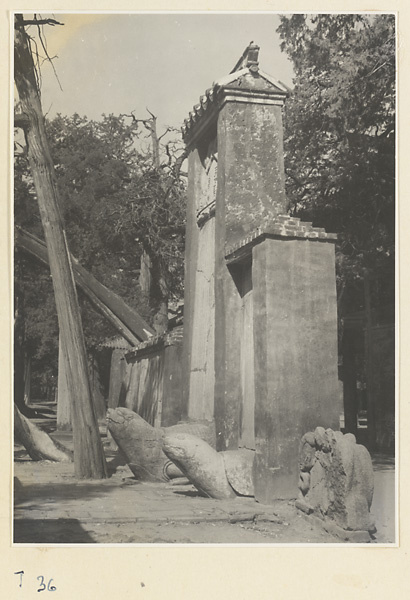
{"points": [[63, 394], [19, 331], [89, 460], [27, 379], [152, 278]]}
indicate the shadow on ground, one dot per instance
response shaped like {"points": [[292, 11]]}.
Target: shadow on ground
{"points": [[50, 531]]}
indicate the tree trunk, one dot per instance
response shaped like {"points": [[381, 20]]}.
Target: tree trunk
{"points": [[19, 330], [371, 416], [159, 295], [89, 460], [154, 140], [154, 288], [63, 394], [145, 274], [98, 398], [37, 442], [152, 280], [27, 380]]}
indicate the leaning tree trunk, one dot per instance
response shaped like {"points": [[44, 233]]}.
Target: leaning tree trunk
{"points": [[89, 461], [126, 320], [39, 445], [63, 394], [19, 331]]}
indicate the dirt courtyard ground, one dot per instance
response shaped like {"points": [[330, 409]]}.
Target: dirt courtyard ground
{"points": [[51, 507]]}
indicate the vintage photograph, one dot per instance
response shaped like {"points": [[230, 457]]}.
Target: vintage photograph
{"points": [[204, 278]]}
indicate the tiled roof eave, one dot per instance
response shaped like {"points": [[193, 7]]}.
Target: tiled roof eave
{"points": [[206, 110], [169, 338]]}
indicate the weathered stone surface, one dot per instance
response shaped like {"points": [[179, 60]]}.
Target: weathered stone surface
{"points": [[307, 456], [142, 444], [214, 474], [297, 374], [238, 469], [304, 482], [309, 438], [203, 466], [302, 505], [288, 361], [321, 439], [340, 487], [254, 187], [318, 493], [202, 370], [204, 430]]}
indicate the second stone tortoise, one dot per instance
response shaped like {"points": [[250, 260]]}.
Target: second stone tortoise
{"points": [[215, 474]]}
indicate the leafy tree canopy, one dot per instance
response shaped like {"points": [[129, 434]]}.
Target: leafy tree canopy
{"points": [[340, 139], [116, 203]]}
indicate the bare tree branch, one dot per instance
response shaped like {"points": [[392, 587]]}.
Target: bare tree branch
{"points": [[23, 23], [168, 129], [45, 49]]}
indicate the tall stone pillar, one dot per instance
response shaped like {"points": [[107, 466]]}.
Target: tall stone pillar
{"points": [[199, 302], [268, 306]]}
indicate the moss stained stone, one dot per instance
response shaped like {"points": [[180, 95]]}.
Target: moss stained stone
{"points": [[340, 488]]}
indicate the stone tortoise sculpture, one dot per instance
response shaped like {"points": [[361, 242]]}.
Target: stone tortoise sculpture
{"points": [[182, 450], [141, 443], [215, 474], [336, 476]]}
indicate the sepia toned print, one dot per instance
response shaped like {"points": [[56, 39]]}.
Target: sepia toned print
{"points": [[205, 302]]}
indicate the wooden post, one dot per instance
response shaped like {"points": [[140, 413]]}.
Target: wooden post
{"points": [[89, 461]]}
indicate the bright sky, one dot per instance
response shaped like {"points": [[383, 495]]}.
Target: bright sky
{"points": [[116, 63]]}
